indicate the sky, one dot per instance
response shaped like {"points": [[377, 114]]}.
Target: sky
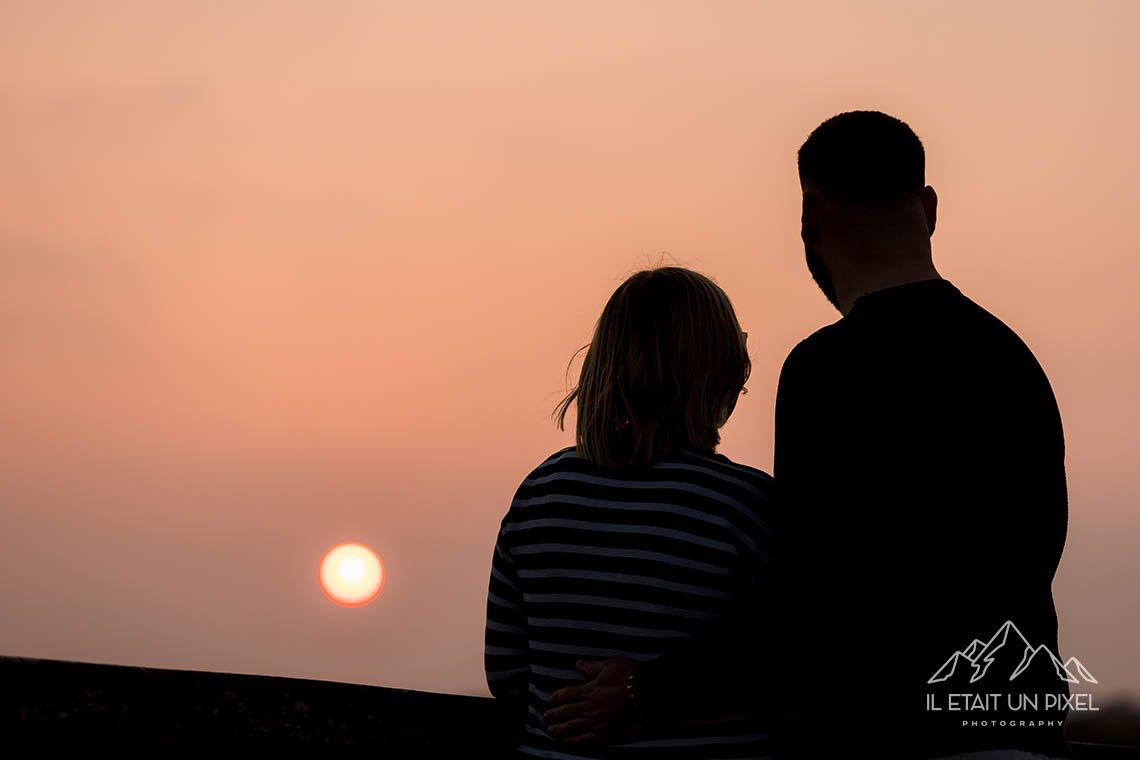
{"points": [[278, 275]]}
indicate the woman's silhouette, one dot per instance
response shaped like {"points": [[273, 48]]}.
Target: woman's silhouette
{"points": [[627, 543]]}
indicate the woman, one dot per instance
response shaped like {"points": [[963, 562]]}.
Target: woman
{"points": [[630, 541]]}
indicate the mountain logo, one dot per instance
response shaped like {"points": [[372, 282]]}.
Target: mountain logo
{"points": [[1014, 653]]}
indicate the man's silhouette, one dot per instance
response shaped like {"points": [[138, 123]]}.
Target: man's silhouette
{"points": [[920, 457]]}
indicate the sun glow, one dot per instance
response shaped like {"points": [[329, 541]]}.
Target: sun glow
{"points": [[351, 574]]}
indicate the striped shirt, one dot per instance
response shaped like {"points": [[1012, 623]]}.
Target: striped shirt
{"points": [[595, 564]]}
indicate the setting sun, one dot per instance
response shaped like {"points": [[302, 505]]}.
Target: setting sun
{"points": [[351, 574]]}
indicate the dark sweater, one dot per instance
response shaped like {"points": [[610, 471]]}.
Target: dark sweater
{"points": [[920, 461]]}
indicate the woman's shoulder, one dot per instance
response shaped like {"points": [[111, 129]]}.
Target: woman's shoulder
{"points": [[714, 462], [543, 478], [561, 457], [720, 465], [706, 465], [565, 460], [747, 494]]}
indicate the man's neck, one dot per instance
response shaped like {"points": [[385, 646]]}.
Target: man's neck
{"points": [[856, 284]]}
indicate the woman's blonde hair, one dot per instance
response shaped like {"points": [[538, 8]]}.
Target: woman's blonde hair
{"points": [[664, 369]]}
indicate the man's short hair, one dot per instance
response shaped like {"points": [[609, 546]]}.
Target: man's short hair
{"points": [[864, 157]]}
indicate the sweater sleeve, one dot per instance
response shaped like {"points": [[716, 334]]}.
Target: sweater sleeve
{"points": [[506, 642]]}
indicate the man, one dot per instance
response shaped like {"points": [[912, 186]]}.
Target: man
{"points": [[920, 456]]}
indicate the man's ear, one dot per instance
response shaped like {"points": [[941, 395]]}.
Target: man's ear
{"points": [[930, 206]]}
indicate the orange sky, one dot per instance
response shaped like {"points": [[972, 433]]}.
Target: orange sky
{"points": [[279, 275]]}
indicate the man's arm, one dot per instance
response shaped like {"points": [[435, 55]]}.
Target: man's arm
{"points": [[801, 433]]}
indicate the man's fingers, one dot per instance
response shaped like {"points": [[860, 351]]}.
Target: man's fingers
{"points": [[569, 729], [567, 694], [591, 668], [567, 712]]}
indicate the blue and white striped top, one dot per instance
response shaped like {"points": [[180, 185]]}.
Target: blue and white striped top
{"points": [[595, 564]]}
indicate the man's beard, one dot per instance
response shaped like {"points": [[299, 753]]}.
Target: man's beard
{"points": [[819, 273]]}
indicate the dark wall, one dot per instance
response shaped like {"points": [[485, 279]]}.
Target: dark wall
{"points": [[44, 702], [51, 701]]}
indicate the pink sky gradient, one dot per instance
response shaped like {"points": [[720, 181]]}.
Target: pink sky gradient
{"points": [[275, 276]]}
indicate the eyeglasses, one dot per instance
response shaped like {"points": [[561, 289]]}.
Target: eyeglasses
{"points": [[744, 390]]}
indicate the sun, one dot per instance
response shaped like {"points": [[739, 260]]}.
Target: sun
{"points": [[351, 574]]}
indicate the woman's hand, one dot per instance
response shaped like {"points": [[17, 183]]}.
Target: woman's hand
{"points": [[598, 710]]}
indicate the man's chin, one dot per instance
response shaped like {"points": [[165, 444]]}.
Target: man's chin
{"points": [[821, 276]]}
